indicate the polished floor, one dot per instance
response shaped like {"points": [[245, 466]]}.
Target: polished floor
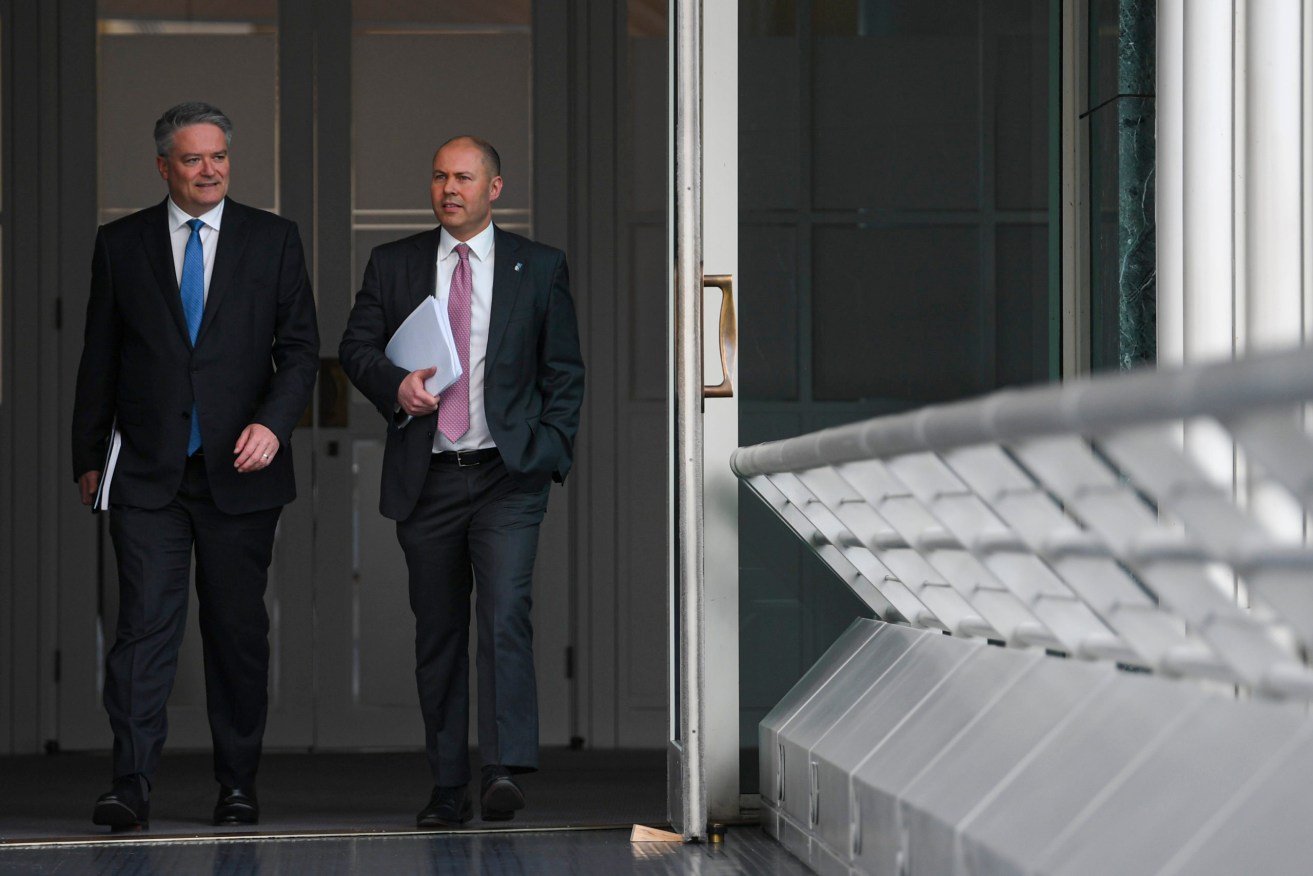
{"points": [[746, 850], [354, 814]]}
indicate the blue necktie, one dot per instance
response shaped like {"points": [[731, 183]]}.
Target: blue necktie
{"points": [[193, 305]]}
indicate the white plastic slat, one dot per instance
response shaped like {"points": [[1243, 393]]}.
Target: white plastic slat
{"points": [[1276, 573], [1277, 441], [1084, 561], [850, 545], [829, 554], [1171, 563], [1003, 552], [989, 597], [889, 547]]}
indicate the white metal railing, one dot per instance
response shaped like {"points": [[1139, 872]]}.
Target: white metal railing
{"points": [[1069, 518]]}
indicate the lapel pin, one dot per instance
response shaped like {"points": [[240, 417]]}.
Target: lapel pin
{"points": [[519, 265]]}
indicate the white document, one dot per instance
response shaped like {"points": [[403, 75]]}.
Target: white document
{"points": [[424, 341], [101, 502]]}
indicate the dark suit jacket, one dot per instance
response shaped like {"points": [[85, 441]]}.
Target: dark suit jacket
{"points": [[533, 376], [255, 359]]}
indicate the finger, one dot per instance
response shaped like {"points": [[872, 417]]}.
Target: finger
{"points": [[242, 440]]}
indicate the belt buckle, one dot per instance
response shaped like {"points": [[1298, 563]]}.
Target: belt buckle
{"points": [[460, 458]]}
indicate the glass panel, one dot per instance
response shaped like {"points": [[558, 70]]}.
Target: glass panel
{"points": [[443, 13], [1021, 54], [3, 222], [1021, 304], [142, 47], [770, 115], [466, 73], [768, 348], [897, 212], [904, 306], [896, 113]]}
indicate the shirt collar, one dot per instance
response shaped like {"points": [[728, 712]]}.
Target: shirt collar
{"points": [[179, 218], [480, 244]]}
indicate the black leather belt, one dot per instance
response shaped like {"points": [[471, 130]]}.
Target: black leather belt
{"points": [[465, 458]]}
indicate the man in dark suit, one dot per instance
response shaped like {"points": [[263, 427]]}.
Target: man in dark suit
{"points": [[201, 350], [466, 474]]}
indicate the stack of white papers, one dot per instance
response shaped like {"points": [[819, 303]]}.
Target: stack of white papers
{"points": [[101, 502], [424, 341]]}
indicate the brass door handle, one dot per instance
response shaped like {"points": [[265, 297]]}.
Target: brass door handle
{"points": [[729, 334]]}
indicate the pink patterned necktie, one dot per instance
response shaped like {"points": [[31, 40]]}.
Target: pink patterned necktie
{"points": [[454, 408]]}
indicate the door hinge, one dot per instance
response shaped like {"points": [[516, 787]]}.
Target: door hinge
{"points": [[59, 665], [569, 661], [59, 314]]}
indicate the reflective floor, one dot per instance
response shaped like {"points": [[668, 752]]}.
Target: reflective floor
{"points": [[51, 796], [355, 814], [746, 850]]}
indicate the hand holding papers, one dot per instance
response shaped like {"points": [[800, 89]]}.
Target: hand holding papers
{"points": [[424, 341]]}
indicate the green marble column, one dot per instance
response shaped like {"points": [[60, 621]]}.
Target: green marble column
{"points": [[1123, 285], [1137, 276]]}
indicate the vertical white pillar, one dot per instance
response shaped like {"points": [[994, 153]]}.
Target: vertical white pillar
{"points": [[1170, 171], [1273, 229], [1209, 209], [1208, 204], [1306, 181], [1274, 226]]}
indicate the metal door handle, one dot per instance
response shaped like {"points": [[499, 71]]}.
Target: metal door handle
{"points": [[729, 334]]}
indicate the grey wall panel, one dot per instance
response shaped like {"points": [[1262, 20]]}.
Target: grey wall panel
{"points": [[868, 668], [970, 768], [1074, 765], [838, 655], [1265, 830], [1159, 806], [901, 756], [881, 711]]}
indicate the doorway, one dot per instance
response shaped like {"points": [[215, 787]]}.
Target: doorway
{"points": [[337, 109]]}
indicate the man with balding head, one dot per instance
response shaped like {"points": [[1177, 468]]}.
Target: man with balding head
{"points": [[466, 474]]}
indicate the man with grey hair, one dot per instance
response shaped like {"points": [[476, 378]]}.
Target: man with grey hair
{"points": [[200, 353]]}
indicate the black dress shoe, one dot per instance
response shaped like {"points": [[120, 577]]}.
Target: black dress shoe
{"points": [[124, 807], [448, 807], [236, 806], [501, 796]]}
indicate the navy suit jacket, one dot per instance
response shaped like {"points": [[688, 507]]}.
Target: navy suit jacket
{"points": [[533, 382], [255, 358]]}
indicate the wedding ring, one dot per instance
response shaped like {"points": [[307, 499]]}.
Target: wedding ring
{"points": [[264, 456]]}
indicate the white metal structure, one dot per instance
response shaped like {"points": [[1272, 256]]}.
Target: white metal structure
{"points": [[703, 744], [1060, 522]]}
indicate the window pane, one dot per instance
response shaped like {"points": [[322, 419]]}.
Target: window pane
{"points": [[142, 48]]}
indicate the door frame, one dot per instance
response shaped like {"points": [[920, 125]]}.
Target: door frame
{"points": [[703, 750]]}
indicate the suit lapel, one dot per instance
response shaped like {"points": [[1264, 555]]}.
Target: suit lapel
{"points": [[505, 288], [421, 271], [233, 231], [158, 247]]}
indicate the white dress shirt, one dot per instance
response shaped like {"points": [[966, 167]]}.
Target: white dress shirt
{"points": [[180, 231], [482, 250]]}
